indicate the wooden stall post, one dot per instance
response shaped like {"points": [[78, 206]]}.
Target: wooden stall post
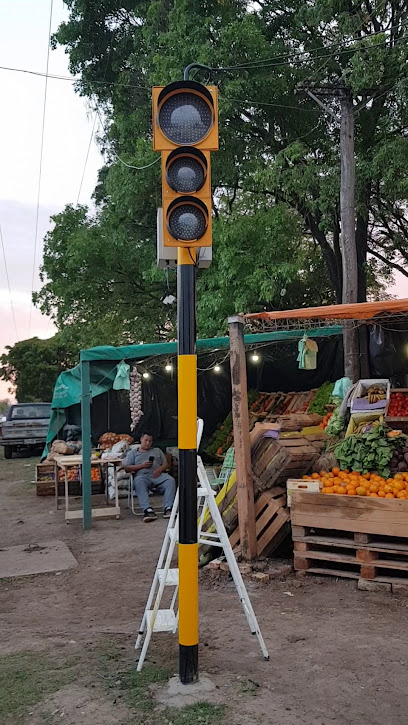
{"points": [[245, 488], [86, 445]]}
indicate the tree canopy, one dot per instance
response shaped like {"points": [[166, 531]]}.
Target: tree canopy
{"points": [[32, 367], [276, 176]]}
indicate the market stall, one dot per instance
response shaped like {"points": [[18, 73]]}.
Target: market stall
{"points": [[99, 371], [367, 448]]}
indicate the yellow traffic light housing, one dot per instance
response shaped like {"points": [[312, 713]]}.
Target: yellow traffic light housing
{"points": [[185, 130], [186, 188]]}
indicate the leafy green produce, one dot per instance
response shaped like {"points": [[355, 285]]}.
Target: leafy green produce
{"points": [[321, 399], [366, 452]]}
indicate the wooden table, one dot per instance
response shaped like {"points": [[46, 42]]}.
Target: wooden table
{"points": [[66, 462]]}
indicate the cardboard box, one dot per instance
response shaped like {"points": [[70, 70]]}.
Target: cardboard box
{"points": [[358, 405], [358, 418]]}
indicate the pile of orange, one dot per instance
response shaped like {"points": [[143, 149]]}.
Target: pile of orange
{"points": [[357, 484]]}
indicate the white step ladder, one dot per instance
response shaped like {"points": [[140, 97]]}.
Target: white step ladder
{"points": [[166, 620]]}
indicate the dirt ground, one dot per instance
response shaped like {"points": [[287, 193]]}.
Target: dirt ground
{"points": [[337, 655]]}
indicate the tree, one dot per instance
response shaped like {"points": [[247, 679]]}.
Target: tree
{"points": [[32, 367], [278, 156]]}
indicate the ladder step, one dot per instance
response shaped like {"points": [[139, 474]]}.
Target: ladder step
{"points": [[172, 533], [172, 578], [165, 620]]}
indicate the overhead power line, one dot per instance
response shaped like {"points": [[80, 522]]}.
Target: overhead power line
{"points": [[8, 282], [40, 169]]}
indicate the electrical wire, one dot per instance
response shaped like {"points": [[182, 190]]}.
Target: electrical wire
{"points": [[8, 282], [269, 62], [128, 166], [70, 79], [86, 158], [40, 169]]}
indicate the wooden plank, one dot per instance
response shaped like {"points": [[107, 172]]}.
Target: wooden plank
{"points": [[268, 514], [368, 527], [333, 572], [96, 513], [245, 489], [281, 518]]}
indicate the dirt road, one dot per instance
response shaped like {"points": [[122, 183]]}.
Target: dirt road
{"points": [[337, 655]]}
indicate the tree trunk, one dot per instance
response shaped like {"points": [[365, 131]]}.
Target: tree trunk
{"points": [[361, 246], [348, 241]]}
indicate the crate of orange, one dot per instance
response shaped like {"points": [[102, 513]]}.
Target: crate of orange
{"points": [[351, 501]]}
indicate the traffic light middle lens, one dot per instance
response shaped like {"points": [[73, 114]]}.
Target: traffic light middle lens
{"points": [[185, 118], [185, 175], [187, 222]]}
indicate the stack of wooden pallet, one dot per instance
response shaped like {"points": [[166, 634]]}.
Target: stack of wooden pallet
{"points": [[359, 538], [273, 462]]}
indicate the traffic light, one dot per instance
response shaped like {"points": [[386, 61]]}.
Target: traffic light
{"points": [[185, 130]]}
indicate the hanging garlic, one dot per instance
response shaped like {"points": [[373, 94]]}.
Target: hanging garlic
{"points": [[135, 397]]}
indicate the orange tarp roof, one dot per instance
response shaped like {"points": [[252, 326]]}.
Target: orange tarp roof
{"points": [[359, 311]]}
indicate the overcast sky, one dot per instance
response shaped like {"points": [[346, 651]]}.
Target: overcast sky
{"points": [[24, 26]]}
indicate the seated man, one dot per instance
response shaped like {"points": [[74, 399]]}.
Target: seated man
{"points": [[149, 466]]}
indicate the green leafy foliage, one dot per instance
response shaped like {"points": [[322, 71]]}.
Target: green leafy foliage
{"points": [[321, 399], [32, 367], [367, 452], [275, 178]]}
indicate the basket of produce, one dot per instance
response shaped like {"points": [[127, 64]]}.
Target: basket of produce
{"points": [[107, 440], [370, 395]]}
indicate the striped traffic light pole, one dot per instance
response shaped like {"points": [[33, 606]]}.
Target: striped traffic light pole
{"points": [[187, 443]]}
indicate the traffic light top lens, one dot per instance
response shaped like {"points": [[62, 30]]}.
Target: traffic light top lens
{"points": [[185, 118]]}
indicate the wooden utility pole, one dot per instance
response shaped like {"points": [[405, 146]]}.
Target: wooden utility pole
{"points": [[242, 448], [348, 233], [347, 215]]}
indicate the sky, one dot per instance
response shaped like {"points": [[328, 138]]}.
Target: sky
{"points": [[24, 28]]}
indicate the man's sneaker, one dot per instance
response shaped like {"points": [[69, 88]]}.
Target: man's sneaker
{"points": [[167, 512], [149, 515]]}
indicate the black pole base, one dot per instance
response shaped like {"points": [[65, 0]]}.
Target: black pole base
{"points": [[188, 663]]}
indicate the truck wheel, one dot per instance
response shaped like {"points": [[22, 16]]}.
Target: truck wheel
{"points": [[8, 451]]}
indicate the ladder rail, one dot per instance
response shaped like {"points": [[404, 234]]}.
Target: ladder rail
{"points": [[206, 506]]}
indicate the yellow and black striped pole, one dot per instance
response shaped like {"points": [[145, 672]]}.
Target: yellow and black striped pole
{"points": [[187, 443]]}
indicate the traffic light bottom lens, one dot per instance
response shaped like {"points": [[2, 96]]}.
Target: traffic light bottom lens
{"points": [[187, 223]]}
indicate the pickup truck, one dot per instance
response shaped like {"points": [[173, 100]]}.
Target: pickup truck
{"points": [[26, 426]]}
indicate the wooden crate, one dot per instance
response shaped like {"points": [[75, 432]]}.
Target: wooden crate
{"points": [[272, 522], [45, 475], [351, 537], [385, 517], [274, 461]]}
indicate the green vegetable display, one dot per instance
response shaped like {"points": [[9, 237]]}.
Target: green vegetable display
{"points": [[367, 452], [223, 436], [321, 399], [336, 422]]}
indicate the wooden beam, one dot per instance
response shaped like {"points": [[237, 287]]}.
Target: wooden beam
{"points": [[245, 489]]}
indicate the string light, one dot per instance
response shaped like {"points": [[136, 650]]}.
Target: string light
{"points": [[217, 368], [146, 375], [255, 357], [168, 368]]}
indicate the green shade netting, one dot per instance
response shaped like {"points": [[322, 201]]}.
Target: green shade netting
{"points": [[104, 361]]}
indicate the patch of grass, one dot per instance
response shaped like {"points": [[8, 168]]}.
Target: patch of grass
{"points": [[25, 679], [137, 686], [203, 713]]}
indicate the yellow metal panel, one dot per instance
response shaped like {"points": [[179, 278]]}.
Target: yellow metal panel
{"points": [[187, 401], [188, 594]]}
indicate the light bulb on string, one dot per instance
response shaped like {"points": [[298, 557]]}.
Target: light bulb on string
{"points": [[168, 368], [255, 357], [146, 375], [217, 368]]}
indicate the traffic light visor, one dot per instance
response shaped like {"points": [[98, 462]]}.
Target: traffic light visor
{"points": [[185, 112]]}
